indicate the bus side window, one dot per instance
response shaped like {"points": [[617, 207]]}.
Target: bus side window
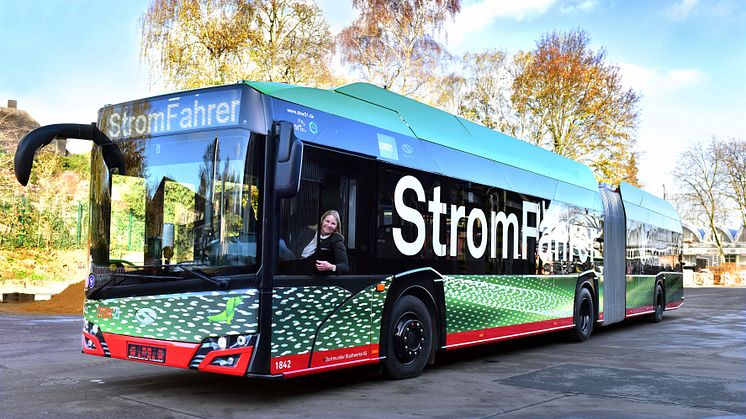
{"points": [[389, 259], [331, 181]]}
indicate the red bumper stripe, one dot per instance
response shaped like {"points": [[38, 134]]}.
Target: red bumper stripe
{"points": [[99, 351], [238, 368]]}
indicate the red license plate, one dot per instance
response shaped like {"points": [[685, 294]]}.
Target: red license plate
{"points": [[146, 353]]}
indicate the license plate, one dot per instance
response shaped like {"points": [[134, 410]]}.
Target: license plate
{"points": [[146, 353]]}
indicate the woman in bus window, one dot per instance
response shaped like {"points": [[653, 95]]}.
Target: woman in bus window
{"points": [[327, 248]]}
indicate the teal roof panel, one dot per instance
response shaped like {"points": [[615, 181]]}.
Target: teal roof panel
{"points": [[390, 111], [434, 125], [336, 104], [514, 152], [426, 122], [645, 207]]}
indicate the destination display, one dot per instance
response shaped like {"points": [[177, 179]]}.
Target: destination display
{"points": [[172, 114]]}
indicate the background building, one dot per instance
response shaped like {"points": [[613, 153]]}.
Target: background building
{"points": [[15, 123], [701, 253]]}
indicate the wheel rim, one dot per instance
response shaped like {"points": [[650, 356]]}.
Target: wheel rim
{"points": [[584, 315], [409, 338]]}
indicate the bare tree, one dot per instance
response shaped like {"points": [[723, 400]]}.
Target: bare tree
{"points": [[296, 44], [394, 43], [193, 43], [700, 177], [733, 155], [489, 99], [449, 94]]}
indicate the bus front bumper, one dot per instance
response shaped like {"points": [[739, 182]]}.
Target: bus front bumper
{"points": [[223, 355]]}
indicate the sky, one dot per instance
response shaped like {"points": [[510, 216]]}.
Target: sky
{"points": [[64, 59]]}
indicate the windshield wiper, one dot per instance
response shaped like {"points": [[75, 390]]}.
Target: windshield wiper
{"points": [[220, 283], [118, 278], [93, 292]]}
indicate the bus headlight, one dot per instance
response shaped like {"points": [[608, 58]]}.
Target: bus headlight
{"points": [[242, 340], [222, 342]]}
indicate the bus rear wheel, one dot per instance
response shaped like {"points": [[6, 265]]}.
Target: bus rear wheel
{"points": [[659, 304], [584, 316], [410, 339]]}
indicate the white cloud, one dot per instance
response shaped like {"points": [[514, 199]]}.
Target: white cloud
{"points": [[667, 128], [667, 123], [686, 9], [682, 10], [654, 82], [479, 15], [579, 5]]}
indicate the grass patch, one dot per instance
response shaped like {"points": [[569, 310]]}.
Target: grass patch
{"points": [[40, 265]]}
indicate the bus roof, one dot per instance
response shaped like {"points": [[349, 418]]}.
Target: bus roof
{"points": [[384, 109], [645, 207]]}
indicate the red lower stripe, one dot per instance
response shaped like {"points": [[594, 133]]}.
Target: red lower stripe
{"points": [[303, 364], [178, 354], [342, 356], [636, 311], [315, 370], [475, 337], [287, 363], [674, 305]]}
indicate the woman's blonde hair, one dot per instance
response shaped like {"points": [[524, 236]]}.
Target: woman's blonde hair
{"points": [[334, 214]]}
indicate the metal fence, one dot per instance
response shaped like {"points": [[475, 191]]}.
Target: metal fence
{"points": [[42, 222]]}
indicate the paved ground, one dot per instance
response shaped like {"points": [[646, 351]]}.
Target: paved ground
{"points": [[693, 364]]}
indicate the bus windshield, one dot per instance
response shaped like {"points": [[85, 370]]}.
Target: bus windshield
{"points": [[190, 200]]}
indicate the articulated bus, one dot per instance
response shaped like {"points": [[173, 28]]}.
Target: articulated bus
{"points": [[456, 235]]}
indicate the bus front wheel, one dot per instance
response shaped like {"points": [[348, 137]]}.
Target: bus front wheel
{"points": [[584, 315], [409, 340]]}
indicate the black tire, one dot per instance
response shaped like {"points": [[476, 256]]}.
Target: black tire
{"points": [[659, 303], [584, 316], [410, 339]]}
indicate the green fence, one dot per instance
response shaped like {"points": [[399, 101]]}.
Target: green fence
{"points": [[42, 222]]}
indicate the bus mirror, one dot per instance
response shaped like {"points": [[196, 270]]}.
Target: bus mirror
{"points": [[289, 159], [38, 138], [167, 241], [168, 235]]}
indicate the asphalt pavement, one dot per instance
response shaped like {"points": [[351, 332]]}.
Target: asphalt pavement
{"points": [[692, 364]]}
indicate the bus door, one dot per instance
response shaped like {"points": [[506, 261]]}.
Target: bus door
{"points": [[325, 319]]}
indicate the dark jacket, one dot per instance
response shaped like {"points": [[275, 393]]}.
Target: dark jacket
{"points": [[333, 248]]}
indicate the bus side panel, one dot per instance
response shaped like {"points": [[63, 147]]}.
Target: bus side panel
{"points": [[640, 290], [491, 307], [347, 334], [674, 289], [297, 313]]}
